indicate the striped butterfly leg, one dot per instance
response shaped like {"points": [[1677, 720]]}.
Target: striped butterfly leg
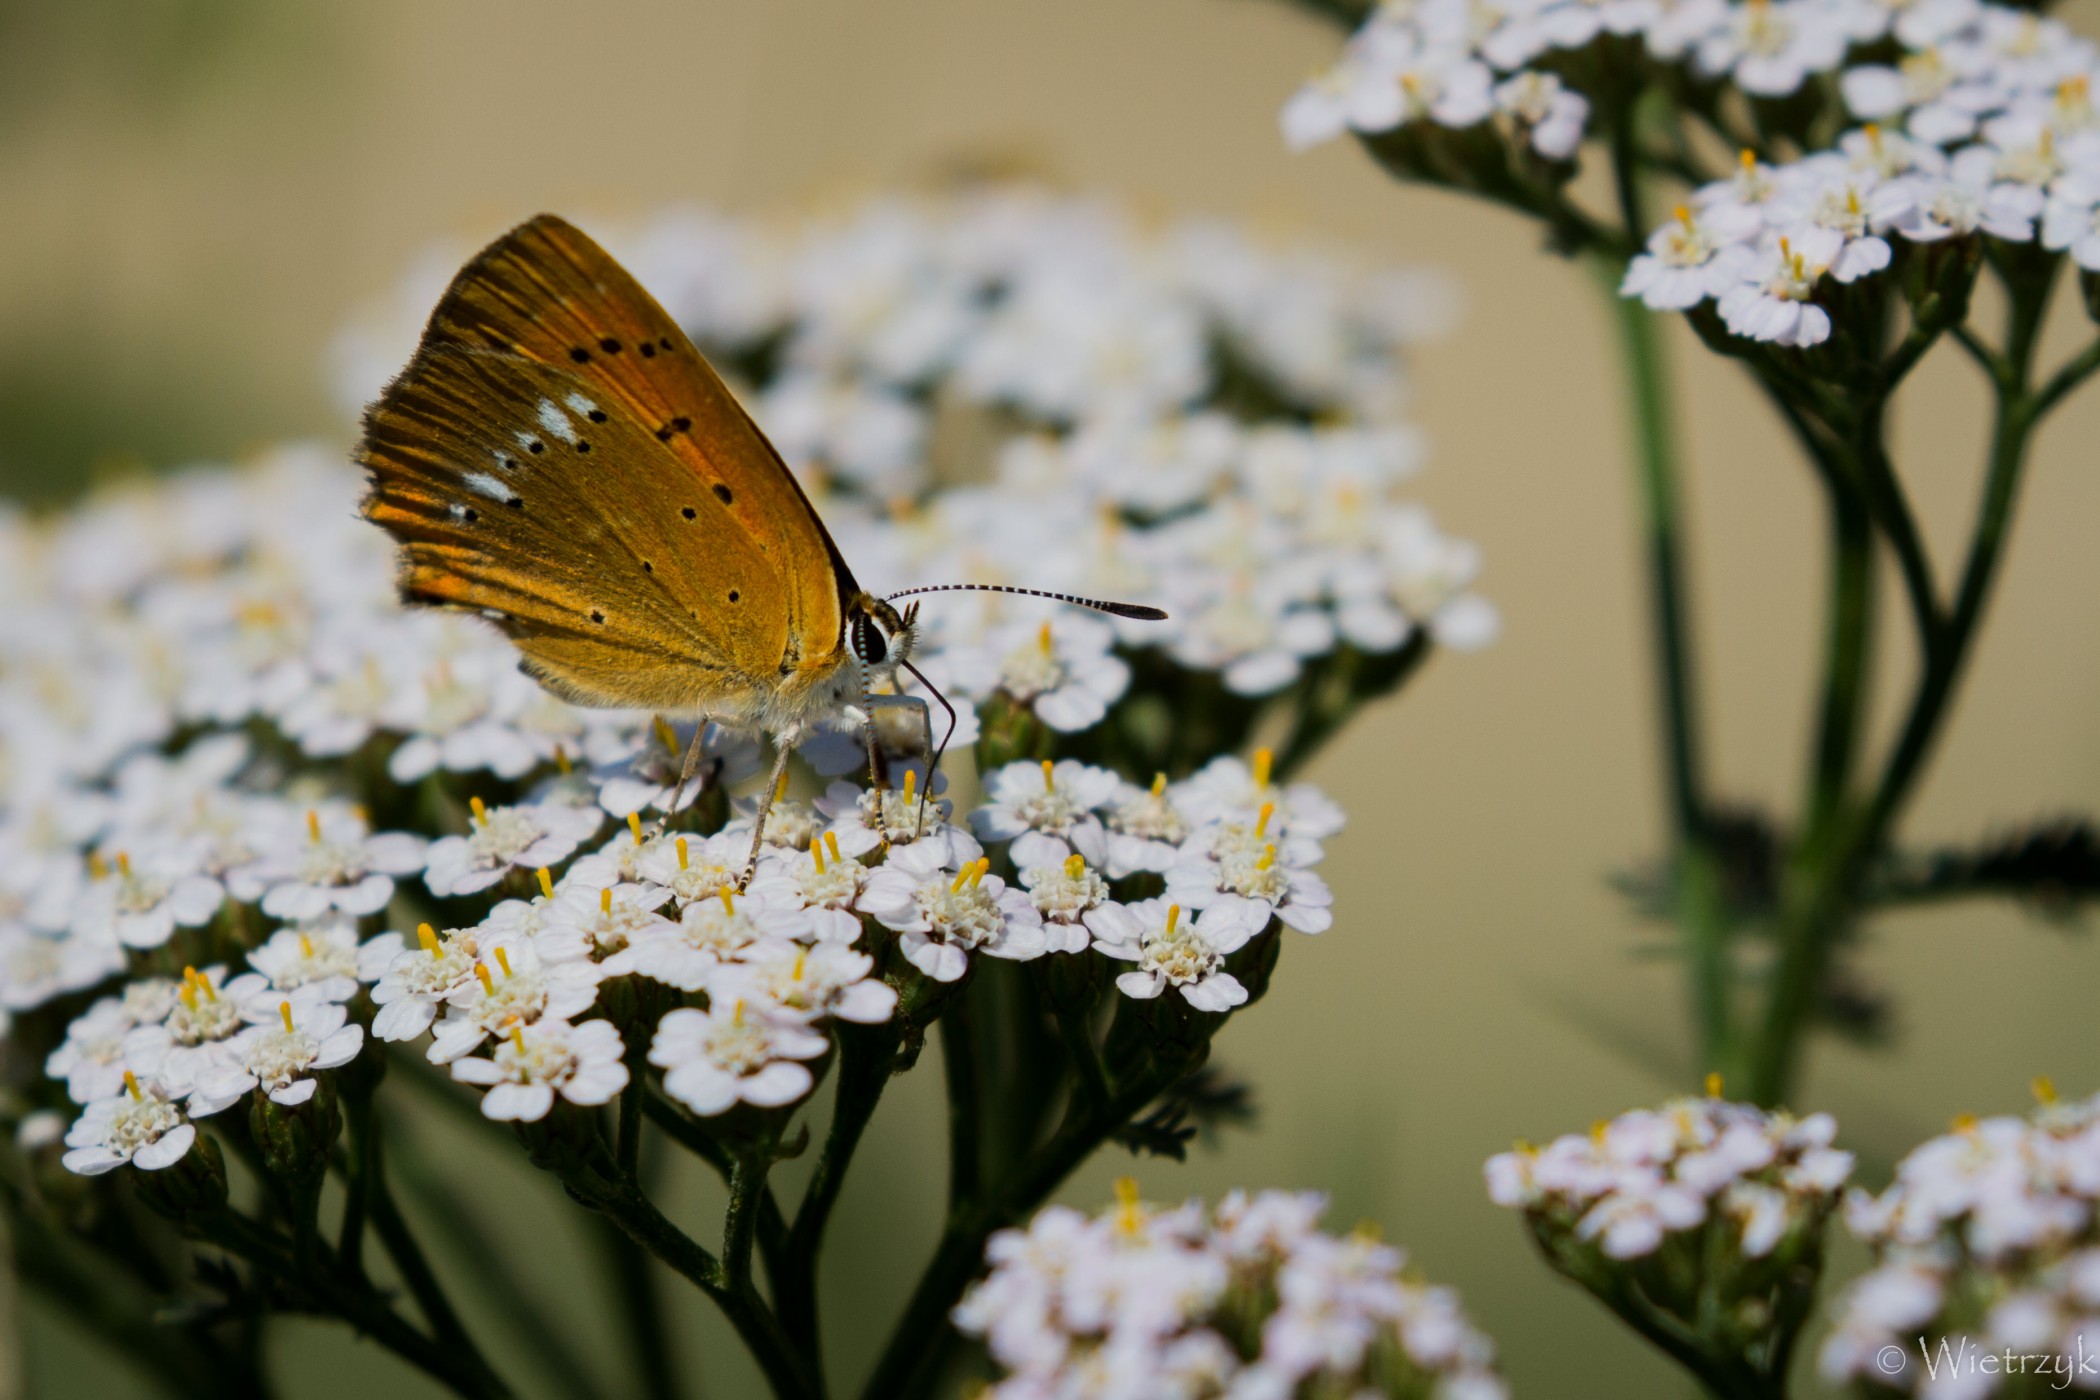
{"points": [[690, 766], [784, 742]]}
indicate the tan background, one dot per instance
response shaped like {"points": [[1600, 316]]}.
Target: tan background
{"points": [[195, 194]]}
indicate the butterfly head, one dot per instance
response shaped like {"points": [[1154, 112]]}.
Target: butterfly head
{"points": [[882, 638]]}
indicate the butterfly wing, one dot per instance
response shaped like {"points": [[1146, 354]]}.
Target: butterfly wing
{"points": [[560, 457]]}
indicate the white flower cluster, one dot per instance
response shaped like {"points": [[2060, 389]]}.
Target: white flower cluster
{"points": [[1014, 388], [136, 627], [1250, 1301], [1986, 1242], [1978, 120], [1629, 1186]]}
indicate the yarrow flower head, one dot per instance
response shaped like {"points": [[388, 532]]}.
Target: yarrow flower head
{"points": [[1251, 1298], [1718, 1207], [1988, 1240]]}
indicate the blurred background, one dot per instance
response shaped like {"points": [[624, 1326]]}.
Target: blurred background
{"points": [[198, 192]]}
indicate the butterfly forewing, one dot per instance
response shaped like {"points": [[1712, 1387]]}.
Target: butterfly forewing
{"points": [[615, 512], [545, 291]]}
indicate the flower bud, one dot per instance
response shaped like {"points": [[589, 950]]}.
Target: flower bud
{"points": [[191, 1189], [295, 1138]]}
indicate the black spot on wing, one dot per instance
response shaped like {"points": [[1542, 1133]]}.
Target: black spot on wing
{"points": [[609, 346], [724, 494], [580, 355], [689, 513]]}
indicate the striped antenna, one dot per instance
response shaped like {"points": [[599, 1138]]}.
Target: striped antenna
{"points": [[1135, 611]]}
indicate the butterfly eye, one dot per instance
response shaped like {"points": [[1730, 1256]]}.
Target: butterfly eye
{"points": [[868, 642]]}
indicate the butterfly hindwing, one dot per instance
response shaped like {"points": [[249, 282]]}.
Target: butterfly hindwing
{"points": [[517, 491]]}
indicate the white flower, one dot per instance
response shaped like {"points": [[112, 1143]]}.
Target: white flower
{"points": [[511, 985], [1776, 305], [1551, 116], [1692, 258], [1064, 894], [1269, 871], [2071, 220], [533, 1063], [280, 1058], [141, 903], [37, 967], [1047, 810], [141, 1125], [412, 983], [738, 1051], [1063, 670], [814, 894], [1176, 951], [198, 1040], [322, 955], [1769, 47], [865, 818], [91, 1058], [806, 980], [583, 922], [944, 913], [336, 863], [695, 869], [1229, 789], [1632, 1221], [1146, 827], [502, 838], [709, 932]]}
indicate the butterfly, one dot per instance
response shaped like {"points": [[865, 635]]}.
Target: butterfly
{"points": [[559, 458]]}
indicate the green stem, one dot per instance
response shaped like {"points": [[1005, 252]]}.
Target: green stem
{"points": [[1697, 878], [965, 1129], [867, 1056], [641, 1306], [1825, 883]]}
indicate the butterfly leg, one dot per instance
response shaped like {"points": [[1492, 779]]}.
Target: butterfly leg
{"points": [[685, 776], [785, 742]]}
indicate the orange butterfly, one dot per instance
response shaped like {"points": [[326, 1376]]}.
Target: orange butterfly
{"points": [[560, 458]]}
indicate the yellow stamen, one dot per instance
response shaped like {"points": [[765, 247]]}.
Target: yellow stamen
{"points": [[427, 936], [313, 826], [1713, 1084], [1261, 827], [634, 826], [284, 1009], [1129, 1214], [605, 901], [962, 877], [362, 813], [801, 957], [188, 994], [131, 1086], [1173, 916], [736, 1013], [1684, 214], [1598, 1129], [1159, 784], [684, 854], [1268, 857], [980, 866], [1048, 784], [488, 983], [1042, 639], [1264, 760], [1749, 160], [517, 1038], [480, 810], [666, 735], [2044, 1089], [503, 961], [1873, 131], [204, 985], [911, 781], [831, 843], [98, 868], [816, 853], [546, 879], [124, 864], [727, 907], [1075, 866], [306, 946], [1964, 1123], [561, 759]]}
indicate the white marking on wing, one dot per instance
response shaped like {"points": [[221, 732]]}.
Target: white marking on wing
{"points": [[487, 485], [555, 421], [581, 404]]}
